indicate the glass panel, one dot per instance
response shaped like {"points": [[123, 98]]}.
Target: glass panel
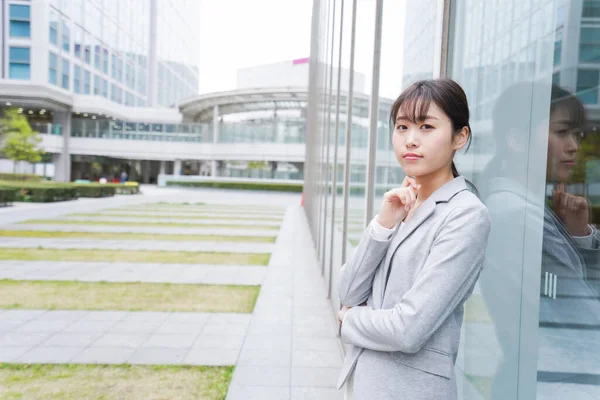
{"points": [[533, 158], [53, 69], [65, 74], [20, 29], [53, 28]]}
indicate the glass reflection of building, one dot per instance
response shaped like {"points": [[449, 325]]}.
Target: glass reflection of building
{"points": [[531, 71]]}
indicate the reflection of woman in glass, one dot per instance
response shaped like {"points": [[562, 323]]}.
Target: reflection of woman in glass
{"points": [[416, 264], [570, 250]]}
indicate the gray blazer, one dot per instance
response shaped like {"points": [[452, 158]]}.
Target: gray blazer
{"points": [[403, 344]]}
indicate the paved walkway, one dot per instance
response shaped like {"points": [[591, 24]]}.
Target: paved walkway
{"points": [[242, 213], [291, 350], [191, 246], [111, 337], [133, 272], [182, 221], [152, 230]]}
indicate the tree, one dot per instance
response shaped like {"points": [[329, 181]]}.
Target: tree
{"points": [[19, 141]]}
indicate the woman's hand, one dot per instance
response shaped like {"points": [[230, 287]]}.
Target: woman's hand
{"points": [[397, 203], [342, 313], [572, 210]]}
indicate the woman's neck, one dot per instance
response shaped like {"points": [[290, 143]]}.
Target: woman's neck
{"points": [[432, 182]]}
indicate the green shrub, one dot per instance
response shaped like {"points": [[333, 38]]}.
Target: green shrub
{"points": [[7, 196], [94, 190], [278, 187], [20, 177], [41, 192]]}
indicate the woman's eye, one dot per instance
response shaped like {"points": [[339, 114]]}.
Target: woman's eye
{"points": [[426, 126], [401, 127]]}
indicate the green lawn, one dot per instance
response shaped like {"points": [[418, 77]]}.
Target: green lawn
{"points": [[137, 214], [476, 310], [68, 295], [135, 236], [133, 256], [136, 223], [132, 382]]}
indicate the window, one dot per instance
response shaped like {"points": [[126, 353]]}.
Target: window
{"points": [[53, 69], [589, 46], [105, 88], [77, 41], [97, 85], [591, 9], [114, 66], [558, 48], [20, 21], [66, 37], [65, 74], [587, 85], [53, 28], [120, 69], [105, 61], [87, 81], [77, 79], [97, 54], [19, 63]]}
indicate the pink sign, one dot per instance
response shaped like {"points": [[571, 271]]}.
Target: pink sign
{"points": [[301, 61]]}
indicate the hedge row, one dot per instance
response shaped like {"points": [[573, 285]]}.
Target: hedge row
{"points": [[41, 192], [7, 196], [277, 187], [20, 177]]}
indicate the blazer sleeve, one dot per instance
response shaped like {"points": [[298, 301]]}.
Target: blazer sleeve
{"points": [[356, 276], [447, 278]]}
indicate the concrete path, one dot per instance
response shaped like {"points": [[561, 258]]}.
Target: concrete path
{"points": [[114, 337], [152, 230], [181, 221], [149, 245], [132, 272], [192, 214], [291, 350]]}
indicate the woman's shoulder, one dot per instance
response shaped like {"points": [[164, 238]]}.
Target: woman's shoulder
{"points": [[467, 204]]}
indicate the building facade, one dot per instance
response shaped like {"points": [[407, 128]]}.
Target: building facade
{"points": [[71, 63], [531, 72]]}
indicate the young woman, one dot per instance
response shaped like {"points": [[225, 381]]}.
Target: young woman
{"points": [[404, 287]]}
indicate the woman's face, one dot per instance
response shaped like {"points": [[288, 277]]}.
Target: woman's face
{"points": [[427, 146], [563, 144]]}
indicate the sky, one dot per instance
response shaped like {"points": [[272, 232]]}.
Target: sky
{"points": [[236, 34]]}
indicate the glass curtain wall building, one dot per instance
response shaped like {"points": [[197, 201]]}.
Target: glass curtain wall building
{"points": [[531, 71]]}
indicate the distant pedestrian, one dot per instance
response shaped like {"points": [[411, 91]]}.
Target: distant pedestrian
{"points": [[123, 176]]}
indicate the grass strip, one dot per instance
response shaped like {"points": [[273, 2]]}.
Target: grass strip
{"points": [[133, 382], [200, 210], [129, 296], [133, 256], [136, 236], [176, 216], [143, 223], [476, 310]]}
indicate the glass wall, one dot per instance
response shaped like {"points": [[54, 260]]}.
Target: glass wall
{"points": [[531, 72]]}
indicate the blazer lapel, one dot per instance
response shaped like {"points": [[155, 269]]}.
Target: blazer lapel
{"points": [[424, 212]]}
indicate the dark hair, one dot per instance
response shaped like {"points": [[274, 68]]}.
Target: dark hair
{"points": [[415, 100]]}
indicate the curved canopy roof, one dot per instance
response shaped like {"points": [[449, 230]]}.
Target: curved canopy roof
{"points": [[200, 108]]}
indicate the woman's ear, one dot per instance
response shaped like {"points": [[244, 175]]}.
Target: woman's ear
{"points": [[461, 138]]}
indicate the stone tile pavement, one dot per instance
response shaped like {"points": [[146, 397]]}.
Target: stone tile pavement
{"points": [[291, 350], [111, 337], [200, 246], [133, 272], [215, 221], [152, 230]]}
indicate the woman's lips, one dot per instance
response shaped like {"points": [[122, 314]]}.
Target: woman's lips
{"points": [[412, 157]]}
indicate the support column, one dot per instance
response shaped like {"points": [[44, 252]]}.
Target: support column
{"points": [[213, 163], [146, 171], [152, 55], [177, 167], [62, 161], [163, 167]]}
